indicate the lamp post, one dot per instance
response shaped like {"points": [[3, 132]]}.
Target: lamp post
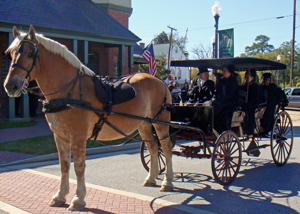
{"points": [[278, 60], [216, 11], [213, 40]]}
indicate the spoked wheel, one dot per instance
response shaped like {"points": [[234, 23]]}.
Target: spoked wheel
{"points": [[145, 157], [226, 158], [282, 138]]}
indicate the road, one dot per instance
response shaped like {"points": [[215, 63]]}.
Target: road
{"points": [[261, 186]]}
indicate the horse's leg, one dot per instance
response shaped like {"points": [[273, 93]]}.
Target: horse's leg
{"points": [[64, 152], [79, 150], [146, 133], [162, 131]]}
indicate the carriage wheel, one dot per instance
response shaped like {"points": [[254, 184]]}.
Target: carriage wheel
{"points": [[282, 138], [226, 158], [145, 157]]}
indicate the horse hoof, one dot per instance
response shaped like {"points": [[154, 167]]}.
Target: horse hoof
{"points": [[56, 203], [76, 207], [166, 189], [77, 204], [149, 184]]}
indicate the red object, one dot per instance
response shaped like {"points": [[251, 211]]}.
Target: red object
{"points": [[148, 55]]}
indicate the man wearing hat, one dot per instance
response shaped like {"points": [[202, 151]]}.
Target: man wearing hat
{"points": [[275, 96], [225, 102], [203, 89]]}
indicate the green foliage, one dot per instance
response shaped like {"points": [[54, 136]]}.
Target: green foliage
{"points": [[9, 125], [162, 72], [46, 144], [285, 52], [259, 46], [162, 38]]}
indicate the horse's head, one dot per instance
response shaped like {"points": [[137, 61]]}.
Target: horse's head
{"points": [[23, 53]]}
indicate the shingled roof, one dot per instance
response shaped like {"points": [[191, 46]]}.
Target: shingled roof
{"points": [[70, 15]]}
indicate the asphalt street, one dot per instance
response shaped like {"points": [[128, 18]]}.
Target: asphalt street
{"points": [[261, 186]]}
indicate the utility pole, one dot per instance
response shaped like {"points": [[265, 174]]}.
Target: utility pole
{"points": [[293, 45], [170, 45]]}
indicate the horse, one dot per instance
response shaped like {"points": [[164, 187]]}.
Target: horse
{"points": [[54, 67]]}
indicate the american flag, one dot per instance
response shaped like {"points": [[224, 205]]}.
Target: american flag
{"points": [[148, 55]]}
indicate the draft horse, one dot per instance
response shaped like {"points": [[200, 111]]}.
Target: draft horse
{"points": [[54, 67]]}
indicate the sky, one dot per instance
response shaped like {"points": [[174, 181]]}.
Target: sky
{"points": [[249, 18]]}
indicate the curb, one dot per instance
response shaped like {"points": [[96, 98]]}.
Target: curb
{"points": [[89, 151]]}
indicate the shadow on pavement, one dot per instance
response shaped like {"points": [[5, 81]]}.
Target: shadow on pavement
{"points": [[255, 190]]}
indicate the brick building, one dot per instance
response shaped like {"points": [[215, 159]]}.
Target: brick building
{"points": [[96, 31]]}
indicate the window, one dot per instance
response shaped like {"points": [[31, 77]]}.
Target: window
{"points": [[287, 91], [296, 91]]}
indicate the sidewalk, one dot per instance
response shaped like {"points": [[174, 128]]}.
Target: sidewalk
{"points": [[40, 129]]}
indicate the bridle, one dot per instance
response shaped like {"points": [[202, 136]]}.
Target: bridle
{"points": [[35, 56]]}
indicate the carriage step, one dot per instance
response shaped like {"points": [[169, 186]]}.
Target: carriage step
{"points": [[251, 151]]}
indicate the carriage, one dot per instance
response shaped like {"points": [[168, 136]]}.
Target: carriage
{"points": [[196, 123]]}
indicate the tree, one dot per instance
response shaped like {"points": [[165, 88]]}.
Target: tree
{"points": [[285, 52], [162, 38], [260, 45], [202, 52], [162, 72]]}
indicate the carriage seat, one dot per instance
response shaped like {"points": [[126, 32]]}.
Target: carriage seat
{"points": [[116, 93]]}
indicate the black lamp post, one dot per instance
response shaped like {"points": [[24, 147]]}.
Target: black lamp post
{"points": [[216, 11]]}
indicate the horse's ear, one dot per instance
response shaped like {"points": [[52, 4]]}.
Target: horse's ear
{"points": [[15, 32], [31, 32]]}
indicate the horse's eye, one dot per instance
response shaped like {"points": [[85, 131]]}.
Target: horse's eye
{"points": [[30, 55]]}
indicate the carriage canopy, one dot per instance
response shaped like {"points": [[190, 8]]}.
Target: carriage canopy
{"points": [[240, 63]]}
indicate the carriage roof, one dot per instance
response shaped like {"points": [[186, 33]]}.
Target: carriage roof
{"points": [[240, 63]]}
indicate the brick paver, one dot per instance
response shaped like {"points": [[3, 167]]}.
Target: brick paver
{"points": [[32, 192]]}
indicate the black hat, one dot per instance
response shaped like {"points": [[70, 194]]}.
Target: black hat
{"points": [[230, 68], [267, 76], [202, 70]]}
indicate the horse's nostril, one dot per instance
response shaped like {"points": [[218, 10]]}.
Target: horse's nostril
{"points": [[15, 88]]}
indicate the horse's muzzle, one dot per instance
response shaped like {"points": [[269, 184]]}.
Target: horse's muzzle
{"points": [[13, 88]]}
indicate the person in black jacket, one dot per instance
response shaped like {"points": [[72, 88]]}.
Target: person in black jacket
{"points": [[253, 99], [275, 96], [202, 89], [225, 102], [184, 93]]}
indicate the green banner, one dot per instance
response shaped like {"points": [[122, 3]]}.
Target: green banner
{"points": [[226, 43]]}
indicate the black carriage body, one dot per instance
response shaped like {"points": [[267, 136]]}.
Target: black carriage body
{"points": [[196, 116]]}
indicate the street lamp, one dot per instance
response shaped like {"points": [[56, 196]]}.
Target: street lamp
{"points": [[216, 11], [213, 40], [278, 60]]}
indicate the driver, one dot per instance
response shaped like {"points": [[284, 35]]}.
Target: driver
{"points": [[202, 89]]}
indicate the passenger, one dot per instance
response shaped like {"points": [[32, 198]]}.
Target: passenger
{"points": [[203, 89], [176, 94], [252, 101], [171, 86], [224, 104], [217, 78], [275, 96], [184, 93]]}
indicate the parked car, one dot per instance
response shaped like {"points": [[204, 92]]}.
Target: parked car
{"points": [[293, 95]]}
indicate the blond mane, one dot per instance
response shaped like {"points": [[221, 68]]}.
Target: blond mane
{"points": [[54, 47]]}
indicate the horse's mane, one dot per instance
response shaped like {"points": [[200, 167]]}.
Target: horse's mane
{"points": [[54, 47]]}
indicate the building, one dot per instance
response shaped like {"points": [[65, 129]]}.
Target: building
{"points": [[179, 74], [96, 31]]}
